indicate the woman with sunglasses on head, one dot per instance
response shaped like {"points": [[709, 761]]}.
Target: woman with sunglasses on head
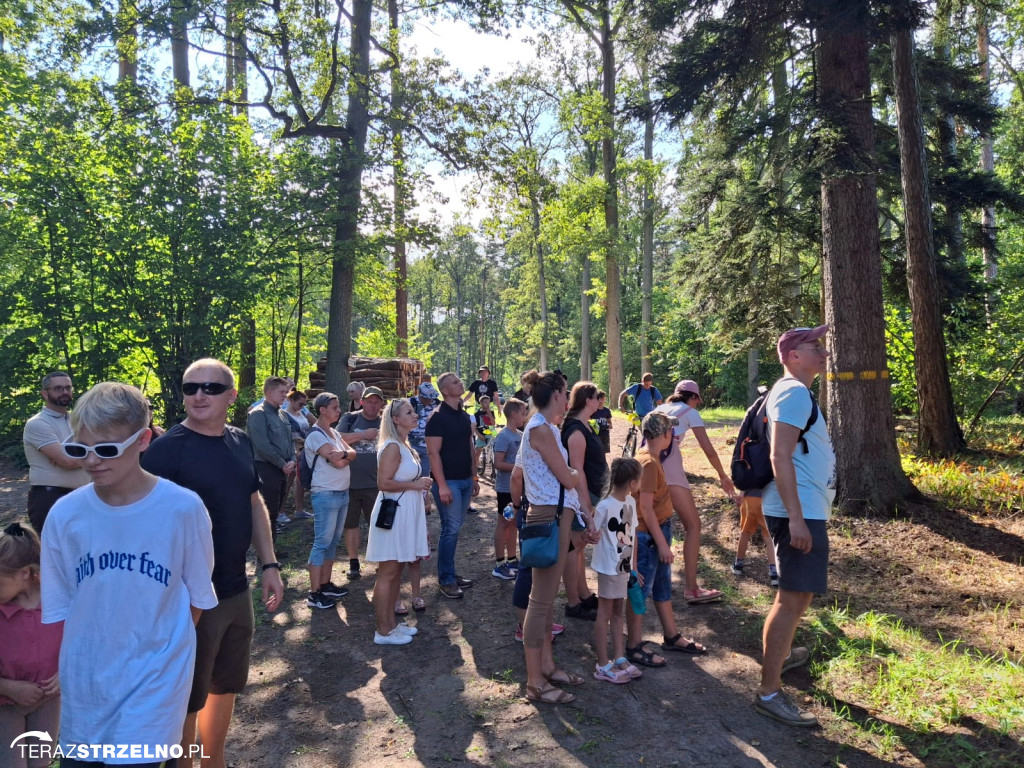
{"points": [[300, 420], [331, 459], [683, 404], [29, 686], [403, 539], [550, 482], [586, 454]]}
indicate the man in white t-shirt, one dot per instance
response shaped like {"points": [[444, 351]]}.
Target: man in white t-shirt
{"points": [[796, 506]]}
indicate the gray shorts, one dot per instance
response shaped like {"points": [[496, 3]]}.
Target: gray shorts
{"points": [[799, 572], [360, 504], [223, 640]]}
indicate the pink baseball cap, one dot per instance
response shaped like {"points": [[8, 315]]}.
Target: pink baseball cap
{"points": [[688, 385], [794, 337]]}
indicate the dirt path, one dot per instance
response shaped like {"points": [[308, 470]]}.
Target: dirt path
{"points": [[322, 694]]}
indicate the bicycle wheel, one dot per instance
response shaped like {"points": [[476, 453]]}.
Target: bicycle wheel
{"points": [[629, 447]]}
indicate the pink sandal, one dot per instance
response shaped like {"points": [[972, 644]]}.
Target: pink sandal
{"points": [[700, 596]]}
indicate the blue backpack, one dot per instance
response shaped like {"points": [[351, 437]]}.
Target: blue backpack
{"points": [[752, 454]]}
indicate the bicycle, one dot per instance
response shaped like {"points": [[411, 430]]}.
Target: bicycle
{"points": [[487, 454], [632, 437]]}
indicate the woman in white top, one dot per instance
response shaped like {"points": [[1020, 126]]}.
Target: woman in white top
{"points": [[330, 457], [398, 478], [546, 474], [683, 405]]}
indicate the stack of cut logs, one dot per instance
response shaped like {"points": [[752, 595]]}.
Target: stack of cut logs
{"points": [[394, 376]]}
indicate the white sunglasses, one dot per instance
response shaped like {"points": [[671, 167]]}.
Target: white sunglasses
{"points": [[102, 450]]}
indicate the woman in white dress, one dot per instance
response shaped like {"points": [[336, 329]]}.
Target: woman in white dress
{"points": [[398, 477]]}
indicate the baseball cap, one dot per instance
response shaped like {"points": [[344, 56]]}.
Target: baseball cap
{"points": [[427, 390], [483, 368], [687, 385], [794, 337], [656, 424], [371, 391]]}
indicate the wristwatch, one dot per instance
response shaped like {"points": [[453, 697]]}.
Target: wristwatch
{"points": [[268, 566]]}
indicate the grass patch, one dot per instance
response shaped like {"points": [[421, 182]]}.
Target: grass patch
{"points": [[986, 485], [937, 698]]}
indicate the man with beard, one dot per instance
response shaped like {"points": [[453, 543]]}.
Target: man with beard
{"points": [[51, 474]]}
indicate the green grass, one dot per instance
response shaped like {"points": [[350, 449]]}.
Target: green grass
{"points": [[930, 697]]}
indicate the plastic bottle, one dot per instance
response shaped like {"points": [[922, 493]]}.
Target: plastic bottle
{"points": [[508, 512]]}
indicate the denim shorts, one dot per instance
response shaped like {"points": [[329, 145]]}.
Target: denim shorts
{"points": [[657, 575]]}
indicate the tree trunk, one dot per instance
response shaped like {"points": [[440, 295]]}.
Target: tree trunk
{"points": [[586, 359], [541, 281], [401, 191], [350, 183], [939, 433], [613, 285], [647, 243], [861, 423], [179, 43], [127, 42], [947, 133], [753, 374], [988, 164]]}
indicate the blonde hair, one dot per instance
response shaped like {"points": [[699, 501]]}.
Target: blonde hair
{"points": [[110, 404], [388, 430], [19, 548]]}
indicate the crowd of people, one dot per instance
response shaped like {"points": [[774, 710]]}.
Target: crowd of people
{"points": [[169, 521]]}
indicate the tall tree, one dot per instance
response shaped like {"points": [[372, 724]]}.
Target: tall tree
{"points": [[602, 22], [939, 432], [869, 474]]}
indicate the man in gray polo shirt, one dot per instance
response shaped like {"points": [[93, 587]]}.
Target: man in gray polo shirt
{"points": [[51, 474]]}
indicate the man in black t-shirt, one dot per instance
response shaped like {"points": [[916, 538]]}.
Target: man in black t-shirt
{"points": [[216, 461], [484, 385], [449, 435]]}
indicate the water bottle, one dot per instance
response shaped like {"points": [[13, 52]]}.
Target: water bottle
{"points": [[508, 512]]}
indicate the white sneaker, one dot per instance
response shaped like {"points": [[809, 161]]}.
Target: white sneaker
{"points": [[394, 637], [283, 519], [406, 629]]}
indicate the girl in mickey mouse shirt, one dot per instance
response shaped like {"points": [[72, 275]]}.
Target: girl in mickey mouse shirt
{"points": [[614, 559]]}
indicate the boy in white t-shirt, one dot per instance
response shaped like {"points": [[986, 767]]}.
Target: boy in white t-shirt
{"points": [[126, 565]]}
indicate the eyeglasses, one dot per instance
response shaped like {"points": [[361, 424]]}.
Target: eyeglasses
{"points": [[102, 450], [64, 388], [189, 388]]}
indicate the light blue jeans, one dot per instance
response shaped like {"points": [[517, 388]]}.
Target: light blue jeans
{"points": [[452, 516], [329, 510]]}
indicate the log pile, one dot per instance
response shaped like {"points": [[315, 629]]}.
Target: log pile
{"points": [[395, 376]]}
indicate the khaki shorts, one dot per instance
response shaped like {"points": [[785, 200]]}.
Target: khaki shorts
{"points": [[751, 517], [360, 504], [223, 640], [612, 587]]}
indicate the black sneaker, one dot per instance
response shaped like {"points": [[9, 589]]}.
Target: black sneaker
{"points": [[354, 575], [319, 600], [579, 611], [464, 583], [590, 603], [330, 589]]}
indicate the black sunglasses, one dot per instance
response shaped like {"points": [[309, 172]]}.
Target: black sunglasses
{"points": [[208, 387]]}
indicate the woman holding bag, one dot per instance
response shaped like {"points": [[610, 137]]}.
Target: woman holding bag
{"points": [[551, 488], [398, 523]]}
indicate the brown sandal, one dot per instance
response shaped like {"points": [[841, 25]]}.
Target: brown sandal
{"points": [[567, 678], [548, 694]]}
